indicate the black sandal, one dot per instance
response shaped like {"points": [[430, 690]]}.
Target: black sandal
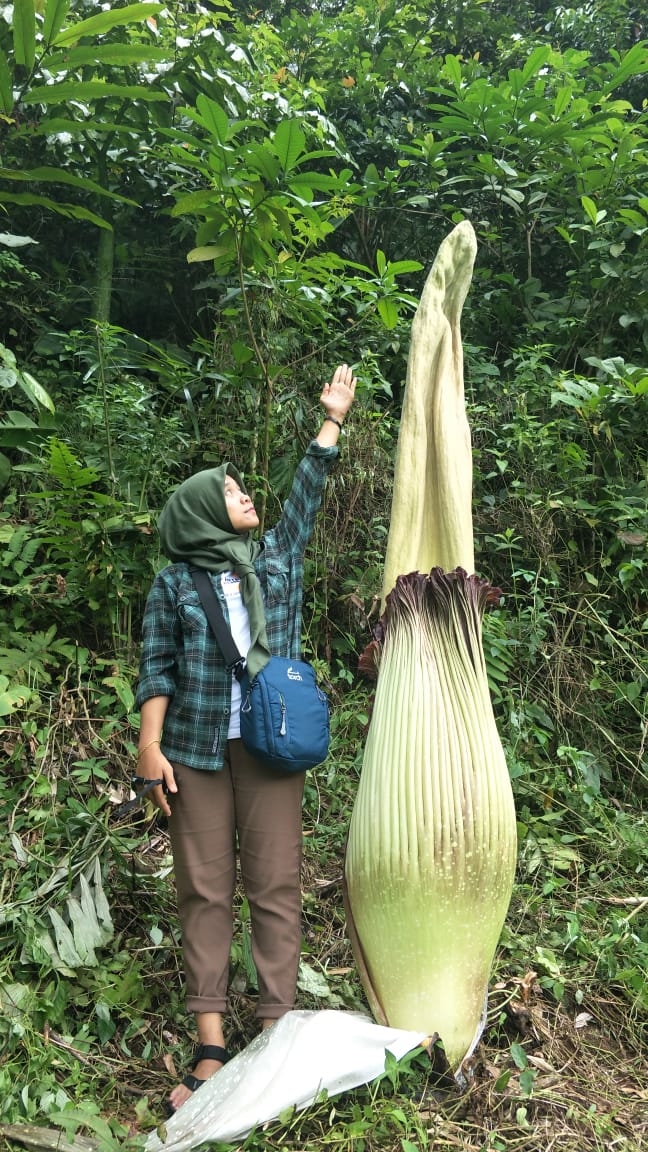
{"points": [[203, 1052]]}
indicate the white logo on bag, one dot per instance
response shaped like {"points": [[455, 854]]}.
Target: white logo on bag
{"points": [[291, 674]]}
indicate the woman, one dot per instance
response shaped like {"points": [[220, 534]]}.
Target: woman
{"points": [[214, 792]]}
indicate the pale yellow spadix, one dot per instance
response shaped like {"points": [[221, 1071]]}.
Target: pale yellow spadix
{"points": [[431, 514]]}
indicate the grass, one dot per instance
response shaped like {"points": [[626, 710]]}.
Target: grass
{"points": [[92, 1049]]}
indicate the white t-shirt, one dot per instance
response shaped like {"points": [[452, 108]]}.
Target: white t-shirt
{"points": [[240, 628]]}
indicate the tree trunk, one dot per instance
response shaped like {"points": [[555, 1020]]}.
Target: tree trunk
{"points": [[104, 279]]}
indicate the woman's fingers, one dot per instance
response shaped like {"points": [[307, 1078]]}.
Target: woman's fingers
{"points": [[160, 799], [343, 375]]}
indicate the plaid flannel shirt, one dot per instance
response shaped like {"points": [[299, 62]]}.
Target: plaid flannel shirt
{"points": [[180, 657]]}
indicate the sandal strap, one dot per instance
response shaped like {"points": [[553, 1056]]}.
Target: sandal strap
{"points": [[192, 1082], [211, 1052], [205, 1052]]}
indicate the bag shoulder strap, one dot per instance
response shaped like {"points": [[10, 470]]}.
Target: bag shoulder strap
{"points": [[234, 662]]}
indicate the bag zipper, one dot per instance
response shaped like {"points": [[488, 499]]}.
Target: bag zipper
{"points": [[282, 730]]}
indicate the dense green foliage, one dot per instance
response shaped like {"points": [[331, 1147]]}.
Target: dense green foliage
{"points": [[203, 208]]}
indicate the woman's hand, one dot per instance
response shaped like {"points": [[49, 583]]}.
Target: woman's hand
{"points": [[152, 764], [336, 399]]}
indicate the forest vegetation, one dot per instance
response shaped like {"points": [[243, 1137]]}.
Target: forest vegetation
{"points": [[203, 208]]}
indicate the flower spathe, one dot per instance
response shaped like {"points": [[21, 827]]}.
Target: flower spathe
{"points": [[432, 841]]}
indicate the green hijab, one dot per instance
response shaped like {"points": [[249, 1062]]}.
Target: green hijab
{"points": [[195, 528]]}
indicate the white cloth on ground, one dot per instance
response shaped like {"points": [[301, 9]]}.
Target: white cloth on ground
{"points": [[289, 1064]]}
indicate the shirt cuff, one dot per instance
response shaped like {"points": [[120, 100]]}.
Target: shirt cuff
{"points": [[151, 686], [317, 449]]}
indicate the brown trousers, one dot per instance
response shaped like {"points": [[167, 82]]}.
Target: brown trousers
{"points": [[262, 808]]}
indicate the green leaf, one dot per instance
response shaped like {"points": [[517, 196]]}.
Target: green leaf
{"points": [[320, 181], [5, 473], [263, 161], [314, 982], [632, 64], [513, 196], [6, 86], [74, 211], [78, 1117], [14, 998], [388, 312], [7, 357], [45, 943], [213, 118], [89, 90], [210, 230], [20, 432], [402, 267], [24, 33], [452, 68], [62, 176], [52, 125], [117, 54], [537, 60], [209, 252], [65, 468], [96, 25], [35, 391], [282, 219], [527, 1078], [242, 353], [55, 14], [562, 101], [516, 80], [64, 941], [289, 143], [84, 930], [301, 190], [8, 376], [100, 933], [590, 208], [198, 201], [122, 688], [634, 219], [101, 903], [12, 698]]}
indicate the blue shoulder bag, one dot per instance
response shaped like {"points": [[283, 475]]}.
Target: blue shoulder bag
{"points": [[284, 712]]}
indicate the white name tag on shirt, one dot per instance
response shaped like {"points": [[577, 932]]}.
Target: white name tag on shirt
{"points": [[231, 584]]}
